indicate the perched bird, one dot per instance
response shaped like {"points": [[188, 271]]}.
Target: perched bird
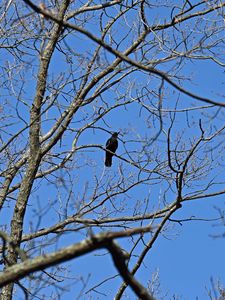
{"points": [[112, 145]]}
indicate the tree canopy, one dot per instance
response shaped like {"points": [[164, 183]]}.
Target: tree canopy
{"points": [[72, 73]]}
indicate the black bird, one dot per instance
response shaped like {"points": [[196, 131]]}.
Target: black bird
{"points": [[112, 145]]}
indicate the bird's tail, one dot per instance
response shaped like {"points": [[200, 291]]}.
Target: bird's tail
{"points": [[108, 160]]}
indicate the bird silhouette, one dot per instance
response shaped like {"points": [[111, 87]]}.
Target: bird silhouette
{"points": [[112, 145]]}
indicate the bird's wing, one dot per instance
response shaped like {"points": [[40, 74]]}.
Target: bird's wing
{"points": [[108, 143]]}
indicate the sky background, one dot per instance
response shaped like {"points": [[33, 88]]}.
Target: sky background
{"points": [[186, 256]]}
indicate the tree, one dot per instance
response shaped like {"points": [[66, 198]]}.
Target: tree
{"points": [[72, 74]]}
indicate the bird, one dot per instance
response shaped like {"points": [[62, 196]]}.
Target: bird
{"points": [[111, 145]]}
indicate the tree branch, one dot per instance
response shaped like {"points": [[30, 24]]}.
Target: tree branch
{"points": [[126, 58]]}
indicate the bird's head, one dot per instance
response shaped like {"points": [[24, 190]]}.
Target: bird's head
{"points": [[115, 134]]}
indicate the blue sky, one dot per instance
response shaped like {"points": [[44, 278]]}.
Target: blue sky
{"points": [[186, 256]]}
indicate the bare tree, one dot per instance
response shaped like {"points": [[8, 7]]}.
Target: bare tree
{"points": [[71, 74]]}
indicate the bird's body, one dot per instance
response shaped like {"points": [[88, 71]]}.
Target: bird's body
{"points": [[111, 145]]}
